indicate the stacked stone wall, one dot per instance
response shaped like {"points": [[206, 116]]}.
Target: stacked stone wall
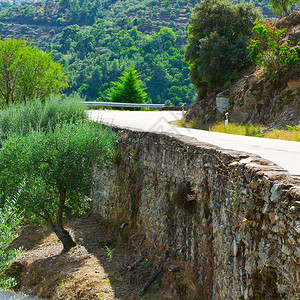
{"points": [[232, 215]]}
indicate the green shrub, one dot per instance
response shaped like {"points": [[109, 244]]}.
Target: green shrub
{"points": [[9, 224], [22, 118], [268, 50]]}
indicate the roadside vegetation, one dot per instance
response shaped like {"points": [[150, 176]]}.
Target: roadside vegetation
{"points": [[290, 133], [47, 155], [48, 146], [27, 73], [10, 220]]}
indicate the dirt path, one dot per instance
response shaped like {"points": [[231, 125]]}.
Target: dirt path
{"points": [[97, 268]]}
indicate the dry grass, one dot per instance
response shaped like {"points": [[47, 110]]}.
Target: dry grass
{"points": [[291, 133], [193, 124], [232, 128]]}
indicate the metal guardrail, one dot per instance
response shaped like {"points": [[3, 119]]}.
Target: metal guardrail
{"points": [[127, 105], [122, 105]]}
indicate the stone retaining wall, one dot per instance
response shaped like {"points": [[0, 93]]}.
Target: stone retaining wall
{"points": [[232, 215]]}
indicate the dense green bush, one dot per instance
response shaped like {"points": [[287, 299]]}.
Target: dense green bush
{"points": [[217, 40], [50, 170], [268, 50], [9, 224], [22, 118], [27, 73]]}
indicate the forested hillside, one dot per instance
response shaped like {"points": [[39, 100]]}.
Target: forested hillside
{"points": [[97, 41], [86, 12]]}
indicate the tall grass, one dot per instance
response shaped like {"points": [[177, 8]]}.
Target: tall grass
{"points": [[232, 128], [291, 133], [22, 118]]}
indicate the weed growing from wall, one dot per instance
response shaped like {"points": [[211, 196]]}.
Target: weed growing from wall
{"points": [[184, 198], [235, 197], [110, 253], [117, 157]]}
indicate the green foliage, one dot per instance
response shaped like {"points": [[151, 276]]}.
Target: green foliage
{"points": [[27, 73], [22, 118], [83, 12], [4, 5], [268, 50], [128, 89], [63, 160], [9, 224], [96, 55], [282, 6], [110, 253], [217, 40], [111, 51]]}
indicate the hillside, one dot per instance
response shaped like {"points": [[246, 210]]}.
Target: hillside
{"points": [[66, 12], [97, 41], [86, 12], [252, 97], [96, 53]]}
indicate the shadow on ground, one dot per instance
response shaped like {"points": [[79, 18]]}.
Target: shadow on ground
{"points": [[97, 268]]}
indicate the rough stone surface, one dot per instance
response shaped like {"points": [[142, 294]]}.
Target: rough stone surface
{"points": [[227, 213]]}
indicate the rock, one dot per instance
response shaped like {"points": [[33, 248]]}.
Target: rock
{"points": [[294, 84], [285, 250], [234, 248], [275, 192], [272, 217], [222, 104], [173, 268], [5, 295]]}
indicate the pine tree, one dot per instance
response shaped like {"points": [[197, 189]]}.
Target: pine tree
{"points": [[128, 89]]}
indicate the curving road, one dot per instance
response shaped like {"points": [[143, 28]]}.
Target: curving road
{"points": [[283, 153]]}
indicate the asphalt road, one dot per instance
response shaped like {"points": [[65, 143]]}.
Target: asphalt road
{"points": [[283, 153]]}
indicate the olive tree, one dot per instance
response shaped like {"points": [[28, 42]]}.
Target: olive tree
{"points": [[27, 73], [50, 171], [9, 224]]}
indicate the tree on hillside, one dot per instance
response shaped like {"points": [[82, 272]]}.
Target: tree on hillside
{"points": [[49, 171], [128, 89], [217, 40], [280, 6], [27, 73]]}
